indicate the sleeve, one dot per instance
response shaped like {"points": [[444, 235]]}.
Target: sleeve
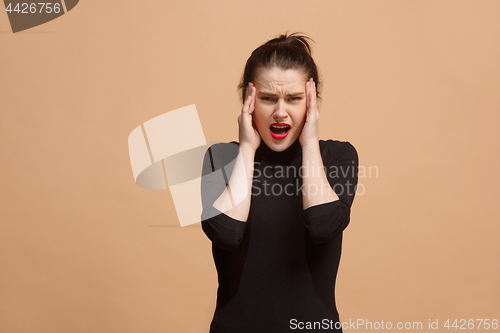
{"points": [[221, 229], [325, 221]]}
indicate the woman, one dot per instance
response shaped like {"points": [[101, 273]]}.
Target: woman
{"points": [[275, 204]]}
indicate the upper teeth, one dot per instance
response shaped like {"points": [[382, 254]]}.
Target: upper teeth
{"points": [[280, 126]]}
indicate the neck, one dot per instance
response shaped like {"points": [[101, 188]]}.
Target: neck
{"points": [[282, 157]]}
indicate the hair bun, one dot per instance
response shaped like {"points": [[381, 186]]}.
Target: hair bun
{"points": [[297, 39]]}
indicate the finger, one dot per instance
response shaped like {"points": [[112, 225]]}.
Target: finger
{"points": [[246, 105], [313, 96], [308, 94], [253, 92]]}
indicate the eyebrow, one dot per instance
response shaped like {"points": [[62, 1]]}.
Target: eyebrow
{"points": [[274, 95]]}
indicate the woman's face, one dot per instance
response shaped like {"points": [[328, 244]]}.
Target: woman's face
{"points": [[280, 102]]}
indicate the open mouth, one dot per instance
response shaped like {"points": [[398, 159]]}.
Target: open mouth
{"points": [[279, 130]]}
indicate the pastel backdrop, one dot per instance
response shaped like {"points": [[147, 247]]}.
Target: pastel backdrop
{"points": [[413, 85]]}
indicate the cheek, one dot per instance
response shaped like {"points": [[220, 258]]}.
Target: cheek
{"points": [[300, 117], [261, 114], [259, 119]]}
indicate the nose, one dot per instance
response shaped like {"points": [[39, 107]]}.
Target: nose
{"points": [[279, 112]]}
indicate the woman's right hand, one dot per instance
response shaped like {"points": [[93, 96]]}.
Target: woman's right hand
{"points": [[248, 134]]}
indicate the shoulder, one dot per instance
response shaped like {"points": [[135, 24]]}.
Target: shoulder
{"points": [[335, 149], [224, 147], [222, 153]]}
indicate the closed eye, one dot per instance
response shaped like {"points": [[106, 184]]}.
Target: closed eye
{"points": [[274, 99]]}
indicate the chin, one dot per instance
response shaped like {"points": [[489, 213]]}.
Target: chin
{"points": [[279, 145]]}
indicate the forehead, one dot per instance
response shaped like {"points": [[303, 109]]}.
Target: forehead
{"points": [[279, 80]]}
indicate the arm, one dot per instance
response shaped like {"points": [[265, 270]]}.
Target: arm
{"points": [[219, 165], [235, 200], [316, 189], [327, 196], [325, 218], [226, 204]]}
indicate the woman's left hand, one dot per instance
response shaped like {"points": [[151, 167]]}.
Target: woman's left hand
{"points": [[310, 132]]}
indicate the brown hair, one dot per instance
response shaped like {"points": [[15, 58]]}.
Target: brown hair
{"points": [[288, 51]]}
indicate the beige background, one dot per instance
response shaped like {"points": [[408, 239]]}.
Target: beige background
{"points": [[413, 85]]}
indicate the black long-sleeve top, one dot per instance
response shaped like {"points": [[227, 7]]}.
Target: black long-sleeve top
{"points": [[277, 270]]}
